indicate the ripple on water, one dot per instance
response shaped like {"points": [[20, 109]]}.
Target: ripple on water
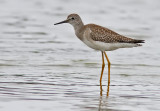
{"points": [[42, 68]]}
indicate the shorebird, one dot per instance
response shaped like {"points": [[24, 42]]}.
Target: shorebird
{"points": [[100, 38]]}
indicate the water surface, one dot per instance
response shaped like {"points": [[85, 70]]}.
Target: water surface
{"points": [[45, 67]]}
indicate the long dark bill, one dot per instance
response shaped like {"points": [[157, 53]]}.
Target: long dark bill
{"points": [[65, 21]]}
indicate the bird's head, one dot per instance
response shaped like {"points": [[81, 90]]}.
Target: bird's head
{"points": [[73, 19]]}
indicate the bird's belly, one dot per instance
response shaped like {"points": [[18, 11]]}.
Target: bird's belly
{"points": [[91, 44], [102, 46]]}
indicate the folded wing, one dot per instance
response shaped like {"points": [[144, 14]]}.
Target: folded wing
{"points": [[103, 34]]}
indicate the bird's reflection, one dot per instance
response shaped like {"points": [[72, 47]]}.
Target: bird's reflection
{"points": [[100, 103], [103, 104], [102, 100]]}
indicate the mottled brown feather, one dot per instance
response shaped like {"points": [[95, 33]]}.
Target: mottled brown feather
{"points": [[99, 33]]}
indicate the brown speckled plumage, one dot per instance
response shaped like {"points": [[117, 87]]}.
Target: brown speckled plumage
{"points": [[99, 33]]}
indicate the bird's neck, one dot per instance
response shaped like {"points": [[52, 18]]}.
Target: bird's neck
{"points": [[78, 26], [79, 30]]}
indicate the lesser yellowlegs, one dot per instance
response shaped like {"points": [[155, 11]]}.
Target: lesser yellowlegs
{"points": [[100, 38]]}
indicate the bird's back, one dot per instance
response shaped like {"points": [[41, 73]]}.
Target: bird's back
{"points": [[102, 34]]}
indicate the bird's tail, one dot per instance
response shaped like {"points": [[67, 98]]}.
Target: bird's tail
{"points": [[138, 41]]}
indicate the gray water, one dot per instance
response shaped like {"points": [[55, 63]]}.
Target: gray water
{"points": [[46, 68]]}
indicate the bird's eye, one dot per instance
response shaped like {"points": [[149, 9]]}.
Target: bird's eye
{"points": [[72, 18]]}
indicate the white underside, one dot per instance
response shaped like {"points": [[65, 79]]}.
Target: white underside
{"points": [[97, 45]]}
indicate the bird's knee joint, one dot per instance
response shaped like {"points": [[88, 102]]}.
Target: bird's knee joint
{"points": [[103, 65]]}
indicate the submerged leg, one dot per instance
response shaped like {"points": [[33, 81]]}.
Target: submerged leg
{"points": [[109, 64], [103, 65]]}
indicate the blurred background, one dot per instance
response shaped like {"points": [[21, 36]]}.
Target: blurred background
{"points": [[45, 67]]}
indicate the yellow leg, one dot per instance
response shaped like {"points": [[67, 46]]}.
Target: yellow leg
{"points": [[103, 65], [108, 91], [109, 64]]}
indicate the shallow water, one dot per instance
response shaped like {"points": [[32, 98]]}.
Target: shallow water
{"points": [[45, 67]]}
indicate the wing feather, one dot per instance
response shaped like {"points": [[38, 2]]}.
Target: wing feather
{"points": [[106, 35]]}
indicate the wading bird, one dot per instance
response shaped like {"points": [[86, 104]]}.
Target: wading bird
{"points": [[100, 38]]}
